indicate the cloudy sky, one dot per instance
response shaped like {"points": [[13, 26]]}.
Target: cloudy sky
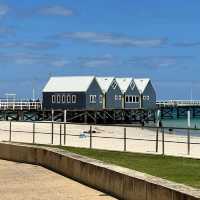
{"points": [[158, 39]]}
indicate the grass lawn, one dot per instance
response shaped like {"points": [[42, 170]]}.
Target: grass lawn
{"points": [[180, 170]]}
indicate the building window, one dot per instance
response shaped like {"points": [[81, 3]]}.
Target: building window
{"points": [[146, 98], [114, 85], [130, 99], [120, 97], [126, 99], [100, 99], [68, 99], [137, 99], [58, 98], [116, 97], [132, 85], [93, 98], [53, 98], [73, 98], [63, 98]]}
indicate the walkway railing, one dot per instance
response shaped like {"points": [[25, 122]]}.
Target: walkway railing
{"points": [[179, 103], [148, 139], [20, 105]]}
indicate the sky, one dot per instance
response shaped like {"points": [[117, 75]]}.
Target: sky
{"points": [[156, 39]]}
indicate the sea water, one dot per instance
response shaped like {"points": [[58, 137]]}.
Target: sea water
{"points": [[183, 123]]}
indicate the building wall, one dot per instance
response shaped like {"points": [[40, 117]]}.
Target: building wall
{"points": [[94, 89], [133, 92], [149, 91], [80, 100], [111, 101]]}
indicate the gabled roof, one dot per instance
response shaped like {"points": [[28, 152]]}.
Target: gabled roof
{"points": [[141, 84], [124, 83], [68, 84], [104, 83]]}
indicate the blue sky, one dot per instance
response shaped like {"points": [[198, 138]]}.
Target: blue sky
{"points": [[157, 39]]}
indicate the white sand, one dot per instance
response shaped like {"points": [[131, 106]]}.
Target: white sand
{"points": [[74, 138]]}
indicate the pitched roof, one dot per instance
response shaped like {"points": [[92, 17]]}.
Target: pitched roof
{"points": [[124, 83], [104, 82], [141, 84], [68, 83]]}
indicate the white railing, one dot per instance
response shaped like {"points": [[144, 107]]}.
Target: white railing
{"points": [[179, 103], [20, 105]]}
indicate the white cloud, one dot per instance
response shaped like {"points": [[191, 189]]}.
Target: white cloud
{"points": [[3, 10], [56, 10], [113, 39]]}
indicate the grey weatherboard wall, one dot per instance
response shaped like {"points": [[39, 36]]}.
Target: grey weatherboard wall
{"points": [[111, 103], [149, 91], [94, 89], [133, 92], [80, 101]]}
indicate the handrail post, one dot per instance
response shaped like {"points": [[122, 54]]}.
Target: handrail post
{"points": [[33, 132], [124, 139], [157, 130], [163, 141], [188, 141], [60, 134], [90, 137], [65, 119], [52, 130], [10, 132]]}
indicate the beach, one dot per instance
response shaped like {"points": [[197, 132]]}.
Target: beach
{"points": [[103, 137]]}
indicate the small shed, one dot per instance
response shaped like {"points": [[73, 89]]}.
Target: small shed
{"points": [[147, 93], [112, 92], [131, 95], [72, 92]]}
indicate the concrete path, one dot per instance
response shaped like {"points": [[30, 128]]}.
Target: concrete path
{"points": [[23, 181]]}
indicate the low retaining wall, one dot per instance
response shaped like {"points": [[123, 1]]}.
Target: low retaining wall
{"points": [[117, 181]]}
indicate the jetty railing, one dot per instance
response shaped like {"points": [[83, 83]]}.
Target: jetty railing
{"points": [[174, 103], [133, 138], [20, 105]]}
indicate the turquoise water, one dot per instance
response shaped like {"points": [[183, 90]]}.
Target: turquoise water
{"points": [[181, 122]]}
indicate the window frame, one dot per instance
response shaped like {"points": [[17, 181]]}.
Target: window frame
{"points": [[58, 98], [68, 98], [73, 98], [93, 98], [53, 98], [63, 98]]}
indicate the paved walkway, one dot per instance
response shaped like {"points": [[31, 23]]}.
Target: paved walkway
{"points": [[23, 181]]}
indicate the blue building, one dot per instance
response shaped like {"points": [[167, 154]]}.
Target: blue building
{"points": [[131, 95], [147, 93], [73, 92], [112, 93]]}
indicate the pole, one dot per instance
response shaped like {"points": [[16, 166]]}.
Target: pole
{"points": [[33, 132], [124, 139], [52, 133], [188, 133], [163, 141], [10, 132], [157, 139], [90, 137], [52, 115], [65, 119], [157, 130], [60, 134]]}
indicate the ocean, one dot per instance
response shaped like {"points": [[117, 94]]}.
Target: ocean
{"points": [[182, 123]]}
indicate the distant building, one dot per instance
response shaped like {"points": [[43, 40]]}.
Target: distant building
{"points": [[131, 95], [112, 92], [97, 93], [72, 92], [147, 93]]}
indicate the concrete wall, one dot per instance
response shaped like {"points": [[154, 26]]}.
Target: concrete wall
{"points": [[117, 181]]}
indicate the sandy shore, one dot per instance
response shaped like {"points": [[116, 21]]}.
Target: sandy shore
{"points": [[75, 137]]}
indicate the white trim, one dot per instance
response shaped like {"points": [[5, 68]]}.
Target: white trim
{"points": [[68, 98], [58, 98], [73, 98], [93, 98], [53, 99], [63, 98]]}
